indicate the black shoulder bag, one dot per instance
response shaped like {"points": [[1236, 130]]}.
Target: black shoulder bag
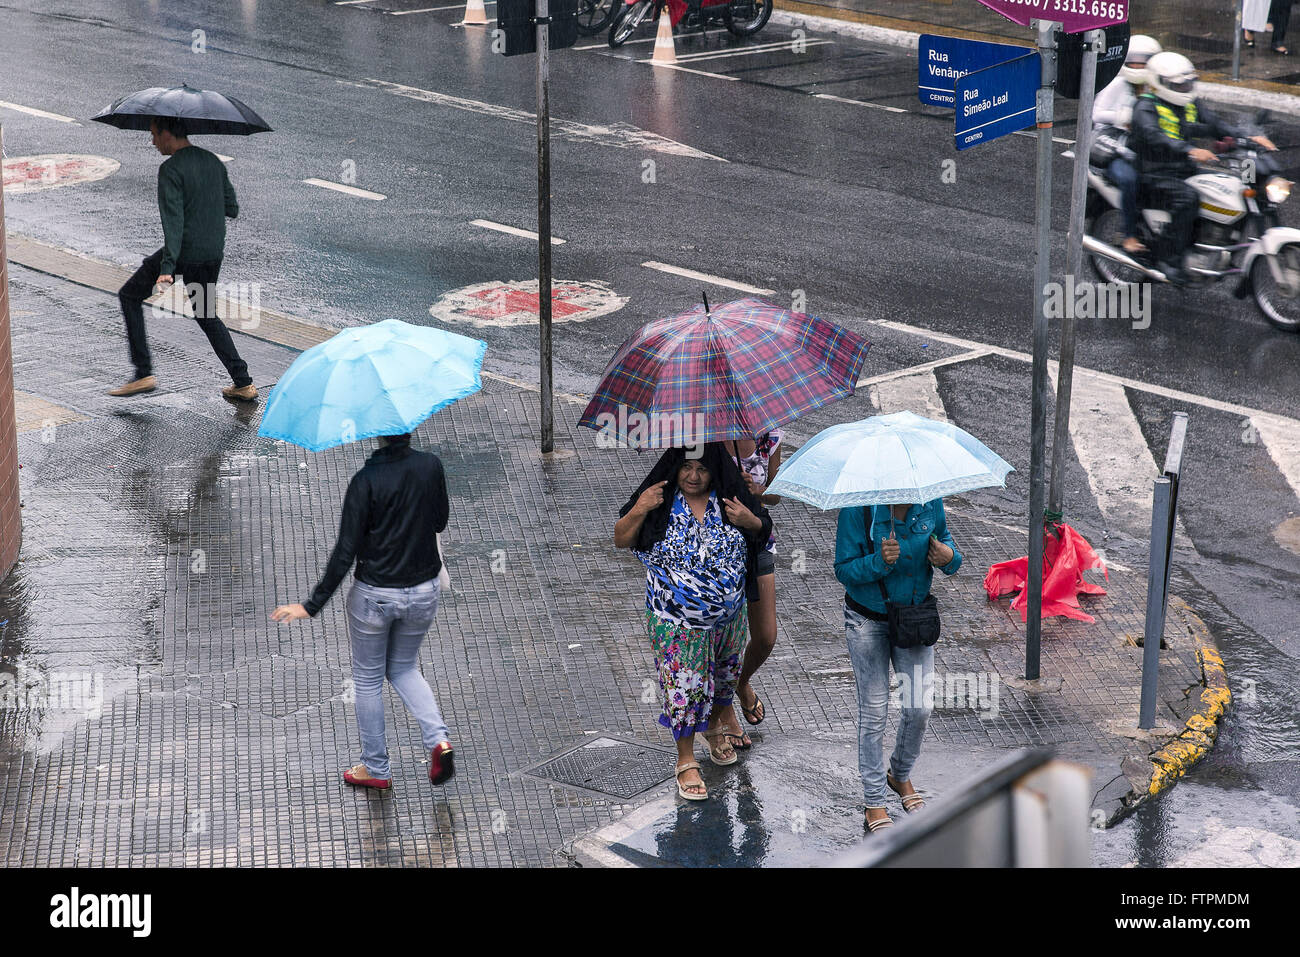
{"points": [[910, 626]]}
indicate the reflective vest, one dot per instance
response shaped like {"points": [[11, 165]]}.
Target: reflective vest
{"points": [[1169, 121]]}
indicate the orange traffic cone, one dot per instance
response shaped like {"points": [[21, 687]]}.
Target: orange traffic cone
{"points": [[665, 52], [475, 14]]}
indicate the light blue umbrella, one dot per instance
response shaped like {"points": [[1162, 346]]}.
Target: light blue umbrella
{"points": [[381, 379], [887, 460]]}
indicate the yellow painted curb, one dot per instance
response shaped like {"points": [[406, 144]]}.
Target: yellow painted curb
{"points": [[1175, 759]]}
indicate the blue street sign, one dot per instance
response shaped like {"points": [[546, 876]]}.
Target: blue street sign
{"points": [[997, 100], [941, 60]]}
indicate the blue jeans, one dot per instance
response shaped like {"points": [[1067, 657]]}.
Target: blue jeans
{"points": [[1125, 177], [387, 626], [870, 653]]}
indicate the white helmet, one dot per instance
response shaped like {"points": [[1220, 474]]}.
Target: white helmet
{"points": [[1141, 48], [1172, 77]]}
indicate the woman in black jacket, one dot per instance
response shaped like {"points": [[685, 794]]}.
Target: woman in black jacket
{"points": [[392, 514]]}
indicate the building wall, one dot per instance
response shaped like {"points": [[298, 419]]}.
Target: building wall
{"points": [[10, 516]]}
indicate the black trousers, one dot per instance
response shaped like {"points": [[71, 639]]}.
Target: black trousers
{"points": [[1279, 14], [1182, 203], [201, 286]]}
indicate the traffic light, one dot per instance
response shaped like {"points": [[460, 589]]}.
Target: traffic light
{"points": [[517, 21]]}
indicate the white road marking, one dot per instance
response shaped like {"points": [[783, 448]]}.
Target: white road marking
{"points": [[705, 277], [350, 190], [224, 159], [924, 367], [1283, 445], [917, 393], [621, 135], [32, 111], [1272, 419], [1110, 446], [606, 46], [686, 69], [742, 51], [845, 99], [1055, 139], [450, 6], [348, 3], [513, 230]]}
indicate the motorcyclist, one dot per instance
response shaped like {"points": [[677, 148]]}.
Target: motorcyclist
{"points": [[1164, 118], [1114, 108]]}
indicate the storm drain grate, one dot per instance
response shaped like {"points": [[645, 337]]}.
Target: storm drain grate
{"points": [[608, 766]]}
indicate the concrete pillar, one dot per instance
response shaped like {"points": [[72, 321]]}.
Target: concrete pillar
{"points": [[11, 528]]}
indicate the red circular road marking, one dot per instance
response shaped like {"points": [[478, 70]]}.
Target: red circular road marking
{"points": [[516, 303], [27, 174]]}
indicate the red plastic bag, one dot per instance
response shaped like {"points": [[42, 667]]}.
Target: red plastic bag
{"points": [[1065, 559]]}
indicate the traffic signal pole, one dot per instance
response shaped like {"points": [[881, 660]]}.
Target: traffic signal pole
{"points": [[544, 220]]}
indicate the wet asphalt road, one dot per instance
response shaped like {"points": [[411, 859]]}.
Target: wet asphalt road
{"points": [[798, 192]]}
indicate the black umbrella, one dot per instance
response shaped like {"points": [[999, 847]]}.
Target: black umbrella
{"points": [[204, 111]]}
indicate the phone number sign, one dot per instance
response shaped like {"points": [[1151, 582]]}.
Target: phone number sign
{"points": [[1075, 16]]}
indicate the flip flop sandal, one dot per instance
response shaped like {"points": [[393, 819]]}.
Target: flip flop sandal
{"points": [[911, 802], [714, 750], [737, 741], [871, 827], [681, 788], [758, 709]]}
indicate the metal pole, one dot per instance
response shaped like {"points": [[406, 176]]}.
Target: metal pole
{"points": [[544, 218], [1157, 577], [1236, 43], [1042, 272], [1073, 267]]}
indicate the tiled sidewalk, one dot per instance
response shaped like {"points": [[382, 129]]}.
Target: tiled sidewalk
{"points": [[161, 531]]}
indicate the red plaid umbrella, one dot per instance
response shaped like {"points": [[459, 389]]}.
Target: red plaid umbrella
{"points": [[733, 372]]}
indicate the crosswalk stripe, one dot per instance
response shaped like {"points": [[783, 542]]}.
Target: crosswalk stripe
{"points": [[1112, 450], [917, 393], [1283, 444]]}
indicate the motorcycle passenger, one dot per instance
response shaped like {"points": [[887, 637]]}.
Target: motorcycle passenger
{"points": [[1165, 117], [1114, 108]]}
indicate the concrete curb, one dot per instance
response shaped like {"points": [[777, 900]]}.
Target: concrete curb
{"points": [[1144, 778], [1197, 737], [1259, 94]]}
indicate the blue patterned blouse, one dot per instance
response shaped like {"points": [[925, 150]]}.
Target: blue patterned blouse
{"points": [[696, 574]]}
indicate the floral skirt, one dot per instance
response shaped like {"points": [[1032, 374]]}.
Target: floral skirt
{"points": [[698, 668]]}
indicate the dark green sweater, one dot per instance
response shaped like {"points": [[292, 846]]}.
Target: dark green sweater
{"points": [[194, 199]]}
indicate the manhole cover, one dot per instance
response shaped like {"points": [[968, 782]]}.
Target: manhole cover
{"points": [[609, 766]]}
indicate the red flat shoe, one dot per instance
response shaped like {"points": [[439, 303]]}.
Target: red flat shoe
{"points": [[359, 775], [441, 767]]}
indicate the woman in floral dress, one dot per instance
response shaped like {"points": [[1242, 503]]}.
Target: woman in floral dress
{"points": [[697, 529]]}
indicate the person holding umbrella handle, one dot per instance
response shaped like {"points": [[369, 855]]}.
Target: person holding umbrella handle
{"points": [[697, 529], [882, 573]]}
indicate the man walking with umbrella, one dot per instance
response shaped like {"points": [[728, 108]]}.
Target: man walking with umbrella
{"points": [[194, 199]]}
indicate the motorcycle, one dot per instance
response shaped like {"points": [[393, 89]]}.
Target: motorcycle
{"points": [[743, 18], [1238, 232]]}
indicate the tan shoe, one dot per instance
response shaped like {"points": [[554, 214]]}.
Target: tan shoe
{"points": [[245, 393], [147, 384]]}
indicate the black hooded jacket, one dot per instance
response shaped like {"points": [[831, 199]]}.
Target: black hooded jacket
{"points": [[392, 513], [727, 481]]}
